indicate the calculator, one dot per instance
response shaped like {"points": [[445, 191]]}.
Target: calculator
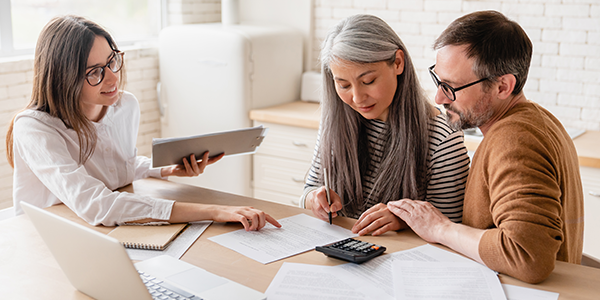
{"points": [[352, 250]]}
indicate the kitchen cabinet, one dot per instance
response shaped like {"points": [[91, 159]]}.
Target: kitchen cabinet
{"points": [[282, 161], [590, 178]]}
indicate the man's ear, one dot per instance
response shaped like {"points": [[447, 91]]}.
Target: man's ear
{"points": [[399, 62], [506, 85]]}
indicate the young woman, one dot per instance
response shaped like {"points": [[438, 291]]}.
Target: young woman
{"points": [[75, 141], [380, 139]]}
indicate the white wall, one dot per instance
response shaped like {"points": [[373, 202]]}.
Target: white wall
{"points": [[565, 72], [564, 77], [193, 11], [141, 63]]}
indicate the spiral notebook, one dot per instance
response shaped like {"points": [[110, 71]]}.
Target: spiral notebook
{"points": [[147, 237]]}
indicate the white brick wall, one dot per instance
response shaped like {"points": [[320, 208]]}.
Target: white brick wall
{"points": [[15, 90], [193, 11], [564, 75], [141, 64], [565, 69]]}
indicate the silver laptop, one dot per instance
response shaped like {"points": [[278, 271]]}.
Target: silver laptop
{"points": [[98, 266]]}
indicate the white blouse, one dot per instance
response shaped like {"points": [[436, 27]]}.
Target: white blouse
{"points": [[46, 155]]}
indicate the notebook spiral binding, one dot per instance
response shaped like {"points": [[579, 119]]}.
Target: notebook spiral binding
{"points": [[142, 246]]}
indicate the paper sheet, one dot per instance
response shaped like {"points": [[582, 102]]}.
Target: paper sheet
{"points": [[514, 292], [299, 233], [302, 281], [374, 279], [445, 280], [378, 271], [177, 247]]}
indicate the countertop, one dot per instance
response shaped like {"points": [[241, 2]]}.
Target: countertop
{"points": [[307, 115]]}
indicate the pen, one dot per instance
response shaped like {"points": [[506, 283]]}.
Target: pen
{"points": [[326, 178]]}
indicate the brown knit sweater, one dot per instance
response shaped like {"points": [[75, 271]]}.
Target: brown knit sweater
{"points": [[524, 186]]}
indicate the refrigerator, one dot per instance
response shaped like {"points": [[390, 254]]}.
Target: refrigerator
{"points": [[212, 75]]}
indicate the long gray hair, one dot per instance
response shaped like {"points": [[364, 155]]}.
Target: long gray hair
{"points": [[343, 148]]}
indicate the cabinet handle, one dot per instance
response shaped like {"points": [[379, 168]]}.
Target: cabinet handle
{"points": [[294, 179], [595, 194], [299, 144]]}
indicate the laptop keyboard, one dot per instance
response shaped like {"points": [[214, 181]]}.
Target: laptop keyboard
{"points": [[160, 290]]}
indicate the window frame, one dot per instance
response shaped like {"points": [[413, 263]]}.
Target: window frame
{"points": [[6, 30], [6, 39]]}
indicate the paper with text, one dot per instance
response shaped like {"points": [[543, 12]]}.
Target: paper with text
{"points": [[378, 271], [445, 280], [302, 281], [514, 292], [299, 233]]}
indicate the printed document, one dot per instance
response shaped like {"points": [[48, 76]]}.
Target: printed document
{"points": [[445, 280], [299, 233], [378, 271], [514, 292], [302, 281], [375, 279]]}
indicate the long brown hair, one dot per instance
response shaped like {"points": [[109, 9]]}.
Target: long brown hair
{"points": [[60, 63], [343, 148]]}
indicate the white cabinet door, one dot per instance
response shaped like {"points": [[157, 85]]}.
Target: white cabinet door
{"points": [[590, 177], [288, 142], [281, 163], [279, 174]]}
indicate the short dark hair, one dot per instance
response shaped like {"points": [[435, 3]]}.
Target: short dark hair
{"points": [[499, 45]]}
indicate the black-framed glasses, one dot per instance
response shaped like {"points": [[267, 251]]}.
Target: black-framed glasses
{"points": [[449, 91], [95, 76]]}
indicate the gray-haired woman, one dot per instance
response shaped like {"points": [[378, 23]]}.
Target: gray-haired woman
{"points": [[379, 137]]}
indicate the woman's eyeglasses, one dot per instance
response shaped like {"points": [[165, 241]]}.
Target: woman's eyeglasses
{"points": [[449, 91], [95, 76]]}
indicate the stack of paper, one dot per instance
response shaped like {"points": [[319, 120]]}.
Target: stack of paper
{"points": [[424, 272]]}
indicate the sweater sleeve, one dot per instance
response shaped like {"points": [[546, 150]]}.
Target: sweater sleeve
{"points": [[524, 204]]}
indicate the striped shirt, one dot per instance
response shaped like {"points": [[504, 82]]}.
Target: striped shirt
{"points": [[447, 168]]}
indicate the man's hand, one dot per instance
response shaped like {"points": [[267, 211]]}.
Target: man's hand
{"points": [[424, 219]]}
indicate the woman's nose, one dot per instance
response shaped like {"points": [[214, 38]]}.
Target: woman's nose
{"points": [[111, 77], [358, 95]]}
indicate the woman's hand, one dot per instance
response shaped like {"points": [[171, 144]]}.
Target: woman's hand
{"points": [[252, 219], [377, 220], [192, 168], [317, 202]]}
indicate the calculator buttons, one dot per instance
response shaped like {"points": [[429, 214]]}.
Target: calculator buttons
{"points": [[352, 250]]}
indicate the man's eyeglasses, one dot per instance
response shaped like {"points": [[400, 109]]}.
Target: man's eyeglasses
{"points": [[449, 91], [95, 76]]}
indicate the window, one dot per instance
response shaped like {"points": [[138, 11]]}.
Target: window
{"points": [[127, 20]]}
